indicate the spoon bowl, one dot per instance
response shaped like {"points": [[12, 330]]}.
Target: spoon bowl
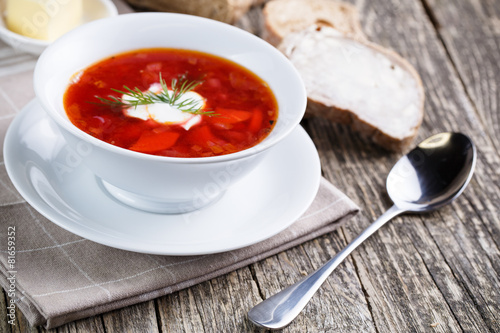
{"points": [[433, 174], [430, 176]]}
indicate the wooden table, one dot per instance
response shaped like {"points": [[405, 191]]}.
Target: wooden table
{"points": [[438, 272]]}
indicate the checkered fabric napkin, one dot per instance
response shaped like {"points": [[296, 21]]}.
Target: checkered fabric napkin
{"points": [[61, 277]]}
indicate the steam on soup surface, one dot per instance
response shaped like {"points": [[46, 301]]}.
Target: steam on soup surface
{"points": [[172, 102]]}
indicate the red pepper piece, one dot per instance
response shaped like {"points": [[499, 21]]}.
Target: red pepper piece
{"points": [[231, 116], [202, 134], [256, 122], [151, 142]]}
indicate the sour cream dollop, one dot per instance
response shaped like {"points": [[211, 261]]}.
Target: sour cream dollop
{"points": [[164, 113]]}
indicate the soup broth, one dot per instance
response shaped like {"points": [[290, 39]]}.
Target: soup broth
{"points": [[232, 108]]}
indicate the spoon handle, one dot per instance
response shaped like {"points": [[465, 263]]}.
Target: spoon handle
{"points": [[279, 310]]}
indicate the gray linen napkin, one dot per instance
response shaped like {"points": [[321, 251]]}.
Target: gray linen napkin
{"points": [[61, 277]]}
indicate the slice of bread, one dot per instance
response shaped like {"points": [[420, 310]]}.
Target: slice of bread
{"points": [[359, 83], [284, 16]]}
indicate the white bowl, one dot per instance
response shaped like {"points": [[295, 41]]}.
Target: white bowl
{"points": [[92, 10], [157, 183]]}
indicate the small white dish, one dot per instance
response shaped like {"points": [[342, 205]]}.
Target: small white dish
{"points": [[92, 10], [52, 179]]}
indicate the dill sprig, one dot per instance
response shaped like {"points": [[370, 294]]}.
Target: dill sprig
{"points": [[179, 87]]}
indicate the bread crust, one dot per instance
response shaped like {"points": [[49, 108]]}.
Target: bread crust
{"points": [[228, 11], [282, 17], [336, 114]]}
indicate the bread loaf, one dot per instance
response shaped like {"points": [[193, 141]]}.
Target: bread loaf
{"points": [[228, 11], [284, 16], [359, 83]]}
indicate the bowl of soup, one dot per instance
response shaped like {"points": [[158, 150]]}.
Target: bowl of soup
{"points": [[168, 110]]}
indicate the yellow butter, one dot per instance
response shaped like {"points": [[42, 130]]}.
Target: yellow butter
{"points": [[43, 19]]}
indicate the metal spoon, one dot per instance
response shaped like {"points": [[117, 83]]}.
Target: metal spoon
{"points": [[430, 176]]}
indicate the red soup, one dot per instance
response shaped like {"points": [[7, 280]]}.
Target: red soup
{"points": [[172, 102]]}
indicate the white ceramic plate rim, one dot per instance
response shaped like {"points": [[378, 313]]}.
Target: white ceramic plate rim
{"points": [[301, 196]]}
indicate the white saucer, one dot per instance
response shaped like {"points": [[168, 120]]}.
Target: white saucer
{"points": [[266, 202]]}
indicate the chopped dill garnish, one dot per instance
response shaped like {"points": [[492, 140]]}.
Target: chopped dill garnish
{"points": [[179, 87]]}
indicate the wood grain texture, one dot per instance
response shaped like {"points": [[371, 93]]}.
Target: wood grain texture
{"points": [[455, 236], [471, 41], [438, 272], [136, 318], [339, 305], [221, 302]]}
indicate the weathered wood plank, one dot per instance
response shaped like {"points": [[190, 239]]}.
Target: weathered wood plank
{"points": [[135, 318], [178, 313], [405, 27], [470, 30], [93, 324], [409, 311], [218, 305], [401, 294], [4, 325], [473, 42], [339, 305]]}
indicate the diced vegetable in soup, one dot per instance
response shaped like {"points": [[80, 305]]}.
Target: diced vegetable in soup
{"points": [[172, 102]]}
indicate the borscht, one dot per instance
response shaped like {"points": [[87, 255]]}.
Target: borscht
{"points": [[172, 102]]}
